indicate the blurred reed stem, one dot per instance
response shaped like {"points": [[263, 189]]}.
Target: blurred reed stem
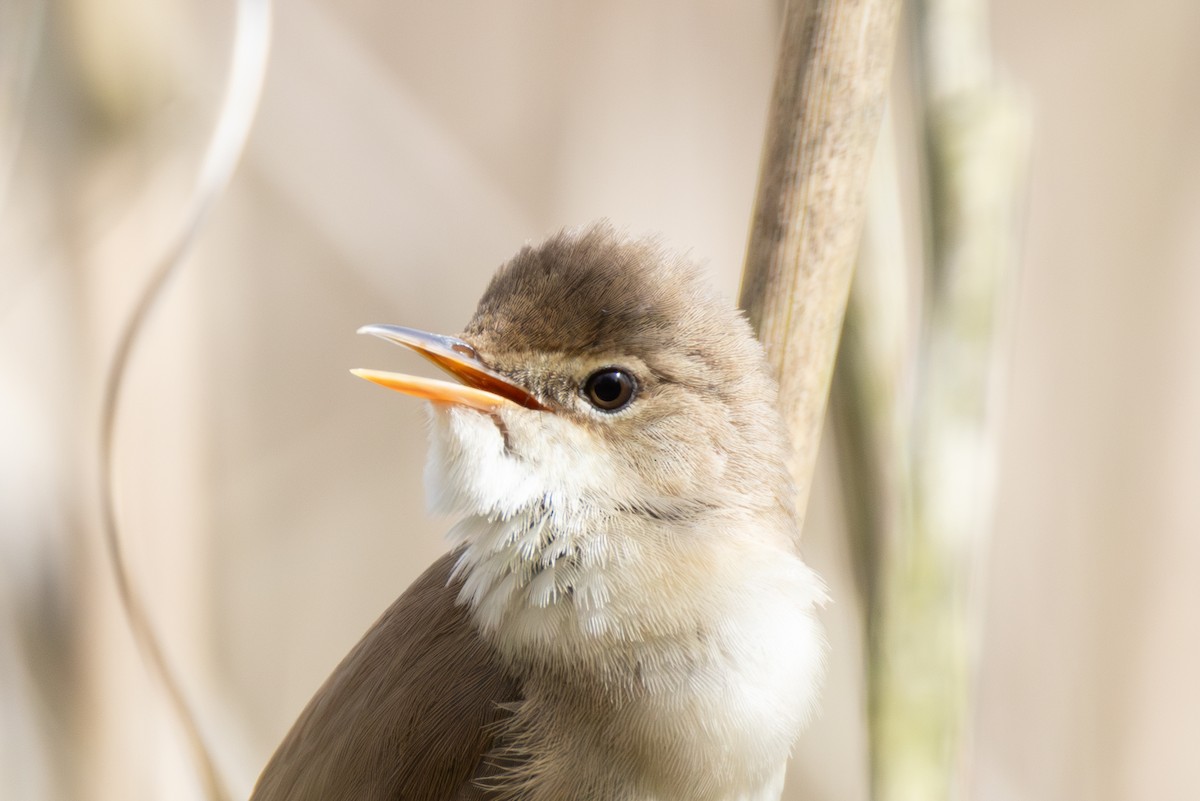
{"points": [[920, 485]]}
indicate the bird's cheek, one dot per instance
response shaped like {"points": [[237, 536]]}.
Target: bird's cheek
{"points": [[562, 456], [678, 459]]}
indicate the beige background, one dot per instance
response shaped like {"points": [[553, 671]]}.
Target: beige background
{"points": [[273, 503]]}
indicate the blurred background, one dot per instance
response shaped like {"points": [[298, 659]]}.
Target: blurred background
{"points": [[272, 504]]}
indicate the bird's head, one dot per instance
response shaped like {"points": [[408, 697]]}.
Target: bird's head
{"points": [[598, 371]]}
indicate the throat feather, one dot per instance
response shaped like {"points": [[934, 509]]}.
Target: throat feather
{"points": [[537, 569]]}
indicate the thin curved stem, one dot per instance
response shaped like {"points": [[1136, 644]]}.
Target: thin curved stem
{"points": [[244, 85]]}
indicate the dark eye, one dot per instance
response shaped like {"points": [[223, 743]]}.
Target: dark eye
{"points": [[609, 389]]}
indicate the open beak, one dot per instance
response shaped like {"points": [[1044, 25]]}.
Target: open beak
{"points": [[481, 388]]}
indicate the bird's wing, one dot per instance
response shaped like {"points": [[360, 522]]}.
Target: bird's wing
{"points": [[407, 716]]}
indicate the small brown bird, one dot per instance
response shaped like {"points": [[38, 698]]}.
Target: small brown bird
{"points": [[624, 614]]}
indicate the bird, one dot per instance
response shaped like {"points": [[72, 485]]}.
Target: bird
{"points": [[623, 613]]}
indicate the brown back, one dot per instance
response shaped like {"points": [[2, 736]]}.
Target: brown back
{"points": [[406, 716]]}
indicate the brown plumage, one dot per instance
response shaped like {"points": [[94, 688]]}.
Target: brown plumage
{"points": [[408, 714]]}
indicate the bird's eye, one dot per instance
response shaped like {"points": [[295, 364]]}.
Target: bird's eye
{"points": [[609, 389]]}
